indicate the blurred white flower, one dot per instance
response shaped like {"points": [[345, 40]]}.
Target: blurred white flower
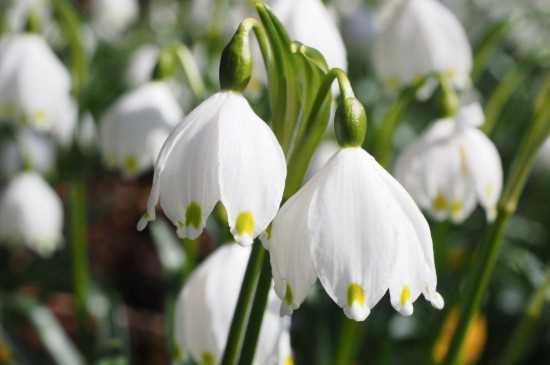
{"points": [[87, 133], [141, 65], [135, 127], [202, 322], [31, 213], [222, 151], [35, 86], [28, 150], [451, 167], [111, 18], [18, 13], [415, 38], [543, 160], [355, 228], [324, 152], [310, 22]]}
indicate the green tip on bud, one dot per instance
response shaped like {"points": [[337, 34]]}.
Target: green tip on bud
{"points": [[236, 61], [34, 22], [165, 66], [448, 102], [351, 122]]}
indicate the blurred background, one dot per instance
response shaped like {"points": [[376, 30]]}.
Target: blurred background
{"points": [[126, 276]]}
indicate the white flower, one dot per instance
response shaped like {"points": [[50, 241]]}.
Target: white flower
{"points": [[31, 213], [29, 150], [111, 18], [142, 64], [324, 152], [222, 151], [355, 228], [451, 167], [35, 86], [135, 127], [205, 309], [19, 11], [419, 37], [309, 22]]}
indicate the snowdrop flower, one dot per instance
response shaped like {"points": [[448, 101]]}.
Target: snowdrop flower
{"points": [[35, 86], [310, 22], [28, 150], [324, 152], [415, 38], [451, 167], [353, 226], [142, 64], [31, 213], [111, 18], [202, 324], [135, 127]]}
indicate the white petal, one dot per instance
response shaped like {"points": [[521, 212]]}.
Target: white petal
{"points": [[323, 153], [252, 169]]}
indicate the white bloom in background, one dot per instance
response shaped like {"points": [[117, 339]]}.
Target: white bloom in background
{"points": [[111, 18], [222, 151], [205, 309], [450, 168], [28, 150], [310, 22], [543, 160], [324, 152], [415, 38], [135, 127], [31, 213], [18, 13], [142, 64], [355, 228], [35, 86]]}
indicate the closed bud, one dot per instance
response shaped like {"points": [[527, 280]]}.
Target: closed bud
{"points": [[236, 61], [351, 123], [165, 65]]}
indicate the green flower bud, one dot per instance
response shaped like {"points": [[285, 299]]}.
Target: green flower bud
{"points": [[350, 124], [448, 100], [34, 22], [166, 65], [236, 61]]}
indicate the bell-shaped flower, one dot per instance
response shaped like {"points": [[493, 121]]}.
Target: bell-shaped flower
{"points": [[322, 155], [31, 213], [35, 86], [28, 150], [222, 151], [451, 167], [353, 226], [111, 18], [134, 129], [205, 309], [416, 38], [141, 65], [310, 22]]}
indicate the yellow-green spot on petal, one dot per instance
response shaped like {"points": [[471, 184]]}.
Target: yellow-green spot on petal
{"points": [[288, 295], [131, 164], [39, 117], [456, 208], [489, 191], [193, 215], [439, 203], [268, 232], [356, 294], [289, 360], [245, 224], [405, 295], [208, 358]]}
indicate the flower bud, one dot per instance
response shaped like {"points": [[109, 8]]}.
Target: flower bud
{"points": [[448, 100], [351, 123], [236, 61], [165, 66]]}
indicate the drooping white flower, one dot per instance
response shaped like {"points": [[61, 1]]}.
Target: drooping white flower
{"points": [[111, 18], [31, 213], [310, 22], [135, 127], [355, 228], [142, 64], [28, 150], [418, 37], [35, 86], [19, 11], [324, 152], [205, 309], [222, 151], [450, 168]]}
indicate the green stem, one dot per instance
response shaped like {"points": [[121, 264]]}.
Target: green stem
{"points": [[483, 268], [79, 251], [513, 78], [243, 308], [169, 321], [257, 315], [522, 334], [351, 334], [486, 48], [191, 71]]}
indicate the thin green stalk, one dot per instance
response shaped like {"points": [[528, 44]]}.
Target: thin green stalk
{"points": [[191, 71], [244, 305], [79, 251], [486, 48], [482, 269], [520, 339], [257, 315], [351, 334], [500, 96]]}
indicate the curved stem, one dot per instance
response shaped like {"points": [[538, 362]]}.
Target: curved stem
{"points": [[244, 305], [191, 71], [257, 315], [525, 328], [483, 268]]}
